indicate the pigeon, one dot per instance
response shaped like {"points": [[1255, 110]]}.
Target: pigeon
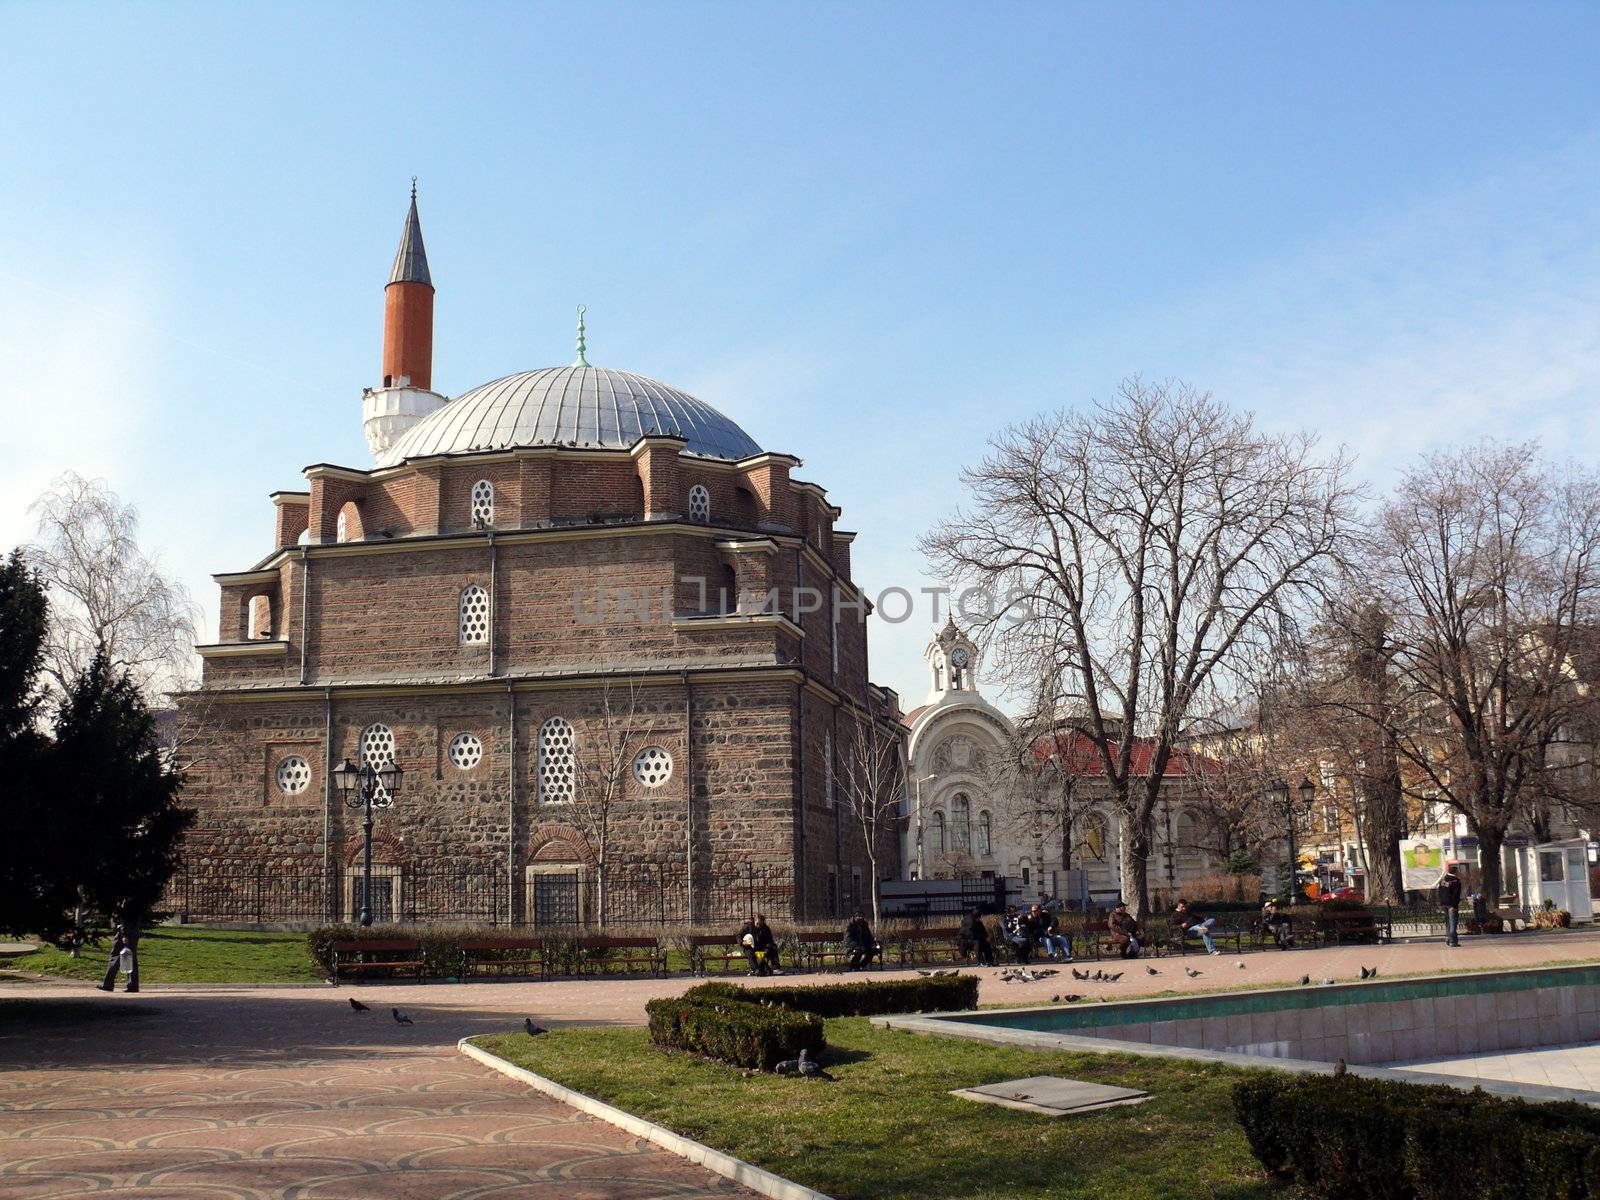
{"points": [[1055, 999], [924, 974], [358, 1006], [1080, 976], [1305, 980], [1098, 975], [1240, 965], [1192, 973], [531, 1029], [400, 1018], [949, 971], [1072, 997], [1339, 1068], [1151, 971], [1328, 981], [1369, 972], [1114, 978], [1045, 972], [810, 1067]]}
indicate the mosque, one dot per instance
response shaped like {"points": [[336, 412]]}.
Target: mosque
{"points": [[602, 632]]}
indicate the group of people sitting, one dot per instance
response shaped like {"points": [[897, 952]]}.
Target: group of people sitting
{"points": [[760, 947], [1035, 929]]}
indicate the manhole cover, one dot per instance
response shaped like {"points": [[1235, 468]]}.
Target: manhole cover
{"points": [[1052, 1095]]}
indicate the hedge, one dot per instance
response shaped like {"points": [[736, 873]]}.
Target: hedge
{"points": [[868, 998], [1399, 1141], [734, 1030]]}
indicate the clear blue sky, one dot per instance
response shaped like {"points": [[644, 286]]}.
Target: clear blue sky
{"points": [[871, 234]]}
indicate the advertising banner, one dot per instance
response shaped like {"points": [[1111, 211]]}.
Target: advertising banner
{"points": [[1421, 863]]}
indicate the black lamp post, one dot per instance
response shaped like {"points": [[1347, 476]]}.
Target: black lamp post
{"points": [[1279, 791], [368, 787]]}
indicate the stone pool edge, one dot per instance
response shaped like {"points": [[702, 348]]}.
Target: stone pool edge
{"points": [[952, 1025]]}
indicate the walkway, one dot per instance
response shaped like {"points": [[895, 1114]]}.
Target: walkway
{"points": [[251, 1092]]}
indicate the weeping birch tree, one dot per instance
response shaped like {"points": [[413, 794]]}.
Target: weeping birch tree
{"points": [[1138, 550]]}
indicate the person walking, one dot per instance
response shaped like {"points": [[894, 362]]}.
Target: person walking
{"points": [[124, 959], [1450, 901], [1194, 925]]}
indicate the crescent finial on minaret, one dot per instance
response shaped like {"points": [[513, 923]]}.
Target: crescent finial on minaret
{"points": [[581, 361]]}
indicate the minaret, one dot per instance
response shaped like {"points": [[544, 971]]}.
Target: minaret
{"points": [[406, 395]]}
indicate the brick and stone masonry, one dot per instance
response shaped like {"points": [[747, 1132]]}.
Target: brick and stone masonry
{"points": [[637, 588]]}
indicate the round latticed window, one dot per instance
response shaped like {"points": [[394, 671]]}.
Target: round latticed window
{"points": [[377, 748], [474, 616], [652, 766], [558, 768], [294, 775], [465, 751], [483, 503]]}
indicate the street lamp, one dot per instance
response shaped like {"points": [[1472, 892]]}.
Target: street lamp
{"points": [[368, 787], [1278, 790]]}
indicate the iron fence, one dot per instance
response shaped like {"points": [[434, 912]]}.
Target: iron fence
{"points": [[298, 892]]}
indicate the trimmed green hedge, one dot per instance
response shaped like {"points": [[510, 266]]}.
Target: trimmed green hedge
{"points": [[1400, 1141], [868, 998], [734, 1030]]}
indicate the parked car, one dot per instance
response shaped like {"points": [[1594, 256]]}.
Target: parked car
{"points": [[1344, 893]]}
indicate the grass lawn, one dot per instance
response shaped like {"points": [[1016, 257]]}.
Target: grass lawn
{"points": [[888, 1127], [188, 954]]}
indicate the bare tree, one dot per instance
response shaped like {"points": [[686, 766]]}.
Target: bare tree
{"points": [[106, 596], [1140, 547], [871, 783], [1488, 563], [602, 760]]}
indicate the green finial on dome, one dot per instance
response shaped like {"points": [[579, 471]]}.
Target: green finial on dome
{"points": [[581, 361]]}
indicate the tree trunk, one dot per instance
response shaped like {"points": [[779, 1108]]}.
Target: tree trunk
{"points": [[1382, 828], [1491, 844], [1134, 856]]}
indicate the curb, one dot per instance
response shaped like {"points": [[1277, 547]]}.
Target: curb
{"points": [[726, 1165]]}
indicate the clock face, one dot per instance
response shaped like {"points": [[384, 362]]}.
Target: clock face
{"points": [[959, 656]]}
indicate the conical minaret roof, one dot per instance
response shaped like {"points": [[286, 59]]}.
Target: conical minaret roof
{"points": [[411, 260]]}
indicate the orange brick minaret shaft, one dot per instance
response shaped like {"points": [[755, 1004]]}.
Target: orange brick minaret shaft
{"points": [[408, 311]]}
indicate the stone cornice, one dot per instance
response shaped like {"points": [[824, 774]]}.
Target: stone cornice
{"points": [[737, 620], [242, 649], [235, 578]]}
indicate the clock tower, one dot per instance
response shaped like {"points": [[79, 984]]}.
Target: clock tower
{"points": [[953, 660]]}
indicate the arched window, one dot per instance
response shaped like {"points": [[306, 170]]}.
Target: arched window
{"points": [[474, 616], [961, 821], [985, 835], [482, 504], [1093, 837], [341, 528], [377, 749], [699, 504], [260, 617], [936, 832], [558, 768]]}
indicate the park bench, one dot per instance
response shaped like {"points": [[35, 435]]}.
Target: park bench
{"points": [[822, 950], [624, 955], [502, 956], [1343, 925], [393, 956], [1098, 940], [928, 945], [1221, 936], [721, 949]]}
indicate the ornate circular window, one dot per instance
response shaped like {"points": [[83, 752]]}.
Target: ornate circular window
{"points": [[652, 766], [294, 775], [465, 751]]}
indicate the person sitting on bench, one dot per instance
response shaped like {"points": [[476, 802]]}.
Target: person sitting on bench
{"points": [[1194, 925], [859, 943], [759, 946], [1019, 934], [974, 936], [1277, 923], [1125, 930], [1052, 941]]}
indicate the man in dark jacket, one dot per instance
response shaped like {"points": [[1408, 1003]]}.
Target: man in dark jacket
{"points": [[1450, 901], [1047, 928], [759, 946], [974, 937], [1125, 931], [860, 944]]}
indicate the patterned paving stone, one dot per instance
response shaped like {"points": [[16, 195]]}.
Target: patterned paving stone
{"points": [[243, 1096]]}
